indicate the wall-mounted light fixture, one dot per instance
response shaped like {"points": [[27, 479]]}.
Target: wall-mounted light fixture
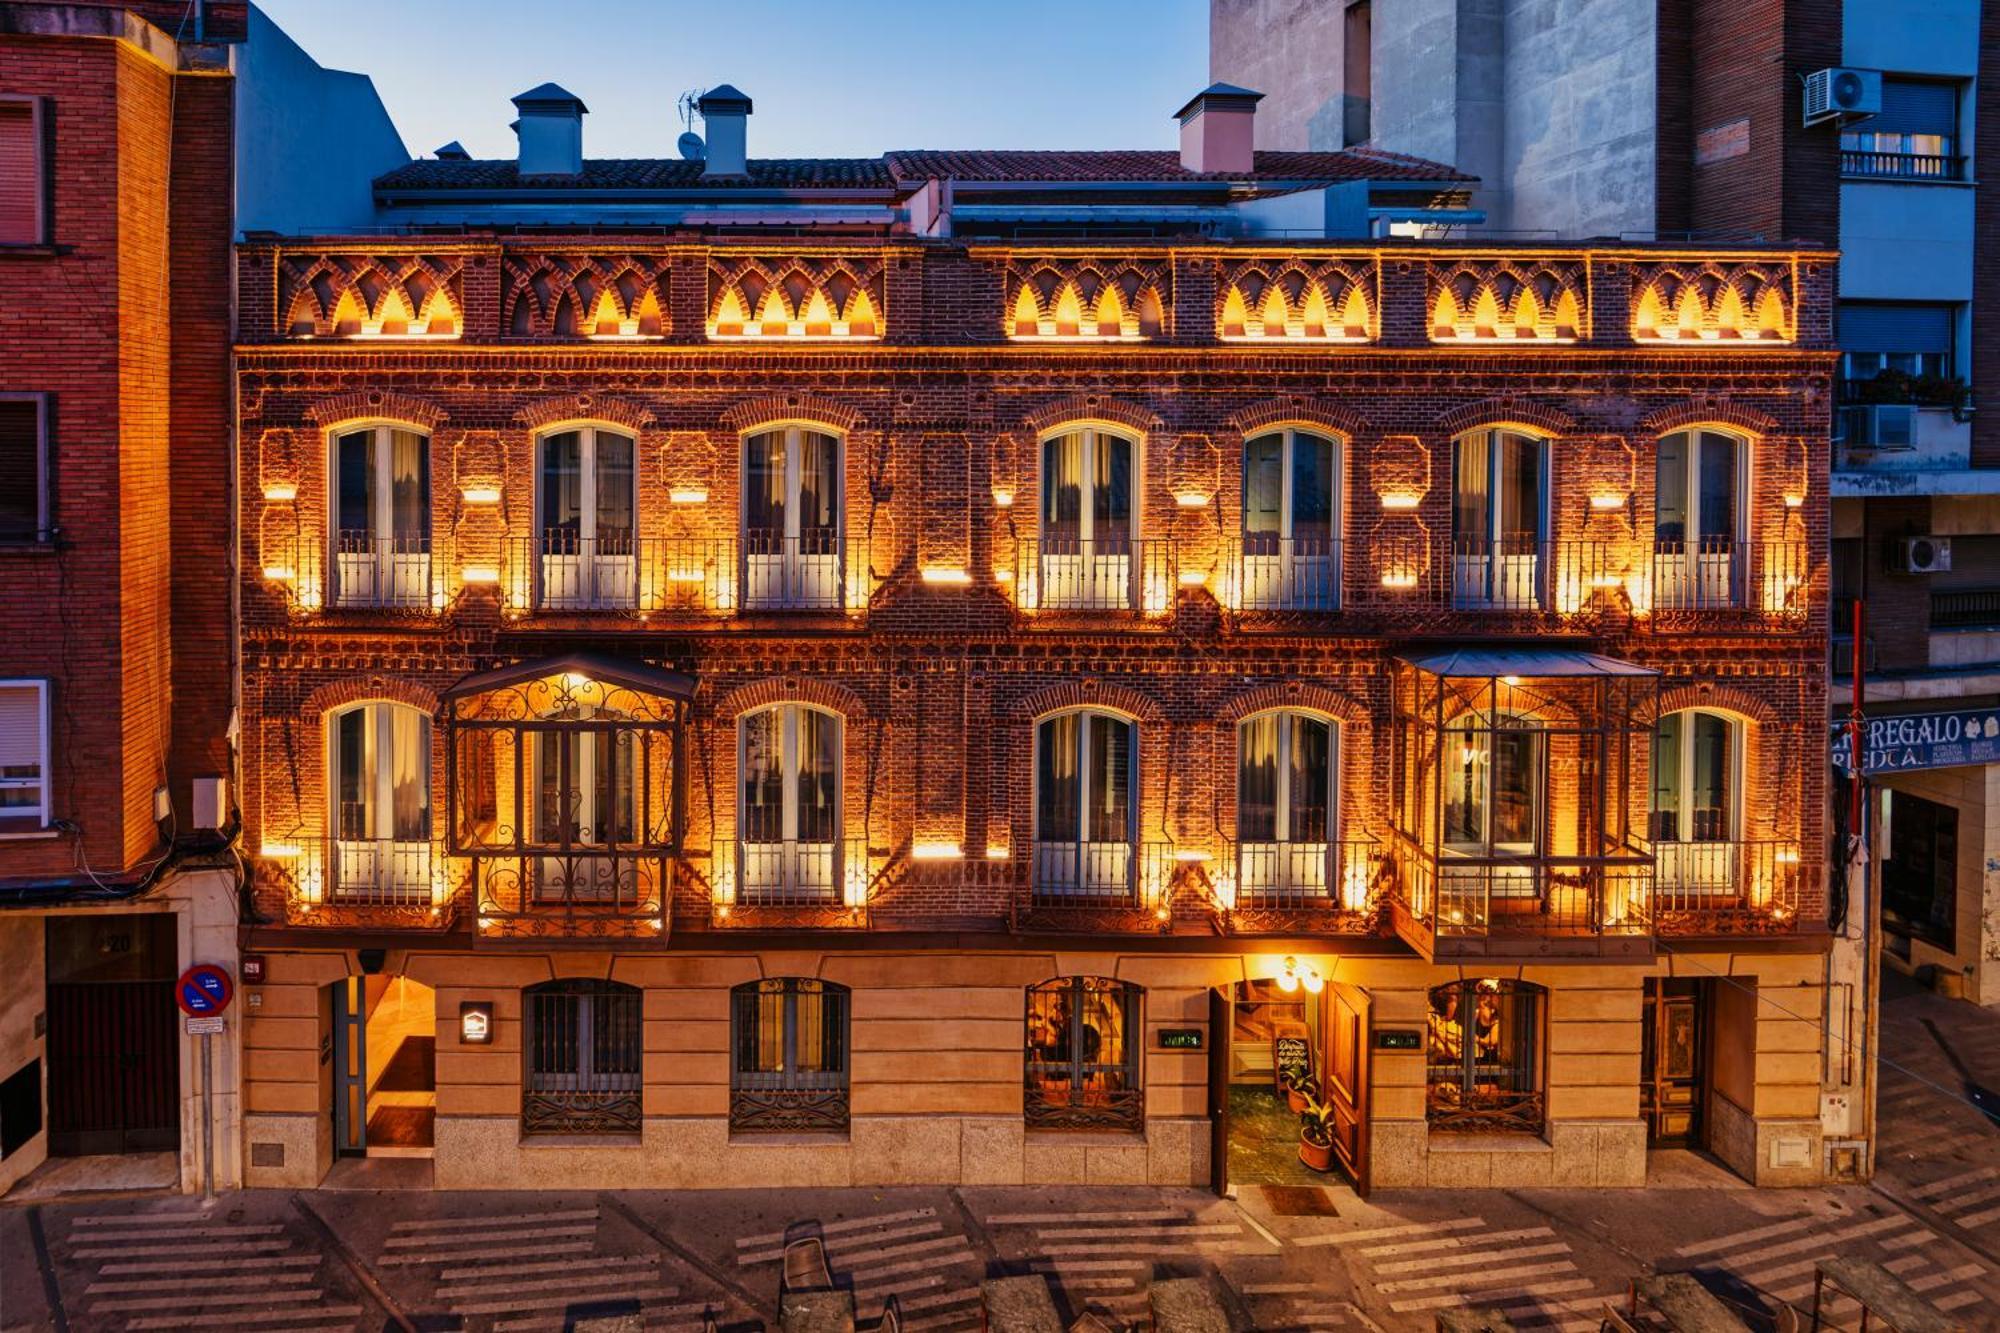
{"points": [[280, 492], [1400, 499], [1293, 975], [479, 574], [1795, 502], [480, 495], [935, 851], [946, 574], [1191, 499], [280, 851], [279, 573], [689, 495], [1003, 497], [1608, 500]]}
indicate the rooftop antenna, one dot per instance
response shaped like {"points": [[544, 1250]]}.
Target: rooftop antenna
{"points": [[691, 146]]}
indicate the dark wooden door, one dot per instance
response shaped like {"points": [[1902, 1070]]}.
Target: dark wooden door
{"points": [[1345, 1033], [113, 1040], [1675, 1061], [1221, 1028]]}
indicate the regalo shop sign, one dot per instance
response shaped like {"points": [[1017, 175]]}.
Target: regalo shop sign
{"points": [[1921, 740]]}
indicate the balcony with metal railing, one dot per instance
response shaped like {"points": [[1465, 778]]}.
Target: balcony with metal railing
{"points": [[1305, 887], [374, 571], [692, 576], [1703, 583], [1473, 906], [1056, 573], [1261, 573], [791, 883], [1726, 887], [1902, 166], [363, 883]]}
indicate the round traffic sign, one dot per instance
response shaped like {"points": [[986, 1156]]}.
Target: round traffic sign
{"points": [[202, 990]]}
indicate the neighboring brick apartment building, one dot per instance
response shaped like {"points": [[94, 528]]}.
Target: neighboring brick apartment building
{"points": [[1705, 116], [777, 645], [116, 582]]}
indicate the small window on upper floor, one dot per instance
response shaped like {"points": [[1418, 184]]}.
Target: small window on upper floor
{"points": [[23, 172], [24, 468], [24, 756], [1914, 137]]}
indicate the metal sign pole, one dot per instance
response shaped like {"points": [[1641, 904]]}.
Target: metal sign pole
{"points": [[207, 1117]]}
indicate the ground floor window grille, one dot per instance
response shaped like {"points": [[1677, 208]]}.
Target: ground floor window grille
{"points": [[1483, 1056], [790, 1067], [583, 1058], [1082, 1058]]}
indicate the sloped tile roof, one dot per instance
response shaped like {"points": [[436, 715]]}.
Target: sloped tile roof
{"points": [[980, 164], [643, 173]]}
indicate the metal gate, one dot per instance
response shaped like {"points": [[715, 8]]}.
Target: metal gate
{"points": [[113, 1048]]}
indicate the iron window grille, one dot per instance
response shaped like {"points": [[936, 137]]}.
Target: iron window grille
{"points": [[1483, 1057], [789, 1071], [583, 1059], [1082, 1055]]}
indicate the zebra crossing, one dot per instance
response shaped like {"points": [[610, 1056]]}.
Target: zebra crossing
{"points": [[1528, 1273], [183, 1270], [1969, 1199], [1778, 1260], [1105, 1259], [524, 1272], [932, 1273]]}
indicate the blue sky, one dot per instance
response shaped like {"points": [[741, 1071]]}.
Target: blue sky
{"points": [[830, 78]]}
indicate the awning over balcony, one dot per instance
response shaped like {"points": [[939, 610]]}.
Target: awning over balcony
{"points": [[613, 671], [1473, 663]]}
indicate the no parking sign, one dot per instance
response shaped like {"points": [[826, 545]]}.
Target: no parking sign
{"points": [[203, 991]]}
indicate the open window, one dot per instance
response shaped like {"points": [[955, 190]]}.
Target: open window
{"points": [[1083, 1055]]}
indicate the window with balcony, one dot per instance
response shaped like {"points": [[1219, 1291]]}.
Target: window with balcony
{"points": [[792, 549], [1499, 520], [382, 805], [1483, 1057], [1087, 555], [1083, 1055], [789, 762], [24, 468], [1494, 786], [1291, 523], [585, 770], [1085, 817], [24, 756], [1287, 812], [587, 520], [1697, 764], [382, 518], [1699, 521], [23, 171], [789, 1035], [1897, 353], [1915, 136], [584, 1047]]}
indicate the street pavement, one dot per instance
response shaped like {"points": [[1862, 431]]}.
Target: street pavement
{"points": [[329, 1260]]}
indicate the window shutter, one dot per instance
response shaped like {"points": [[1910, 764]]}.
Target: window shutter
{"points": [[21, 479], [1895, 328], [21, 730], [1911, 107], [20, 174]]}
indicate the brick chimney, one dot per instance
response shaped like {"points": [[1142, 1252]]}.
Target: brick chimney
{"points": [[725, 114], [1216, 127], [550, 131]]}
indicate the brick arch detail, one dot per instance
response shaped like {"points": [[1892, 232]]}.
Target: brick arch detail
{"points": [[584, 407], [1093, 407], [780, 689], [1091, 693], [752, 412], [1708, 412], [380, 403], [1717, 699], [1308, 697], [1494, 411], [1343, 421], [355, 689]]}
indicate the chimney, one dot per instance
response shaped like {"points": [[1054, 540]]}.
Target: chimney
{"points": [[724, 113], [550, 131], [1216, 127], [452, 152]]}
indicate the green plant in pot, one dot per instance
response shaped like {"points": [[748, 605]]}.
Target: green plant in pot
{"points": [[1316, 1133], [1296, 1079]]}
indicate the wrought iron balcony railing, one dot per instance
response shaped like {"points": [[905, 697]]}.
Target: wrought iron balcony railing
{"points": [[403, 882], [382, 571], [1271, 573], [699, 576], [1726, 887], [793, 882], [1903, 166], [1115, 573], [1483, 896]]}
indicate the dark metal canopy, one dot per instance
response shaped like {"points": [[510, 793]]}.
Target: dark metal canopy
{"points": [[643, 677], [1471, 663]]}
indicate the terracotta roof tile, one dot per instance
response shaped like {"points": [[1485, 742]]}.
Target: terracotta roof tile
{"points": [[1158, 165], [643, 173]]}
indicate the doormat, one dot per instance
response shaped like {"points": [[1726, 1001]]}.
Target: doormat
{"points": [[1299, 1201]]}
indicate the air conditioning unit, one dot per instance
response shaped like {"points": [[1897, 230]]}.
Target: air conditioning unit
{"points": [[1842, 94], [1879, 426], [1923, 555]]}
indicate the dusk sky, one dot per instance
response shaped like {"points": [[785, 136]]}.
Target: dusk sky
{"points": [[830, 78]]}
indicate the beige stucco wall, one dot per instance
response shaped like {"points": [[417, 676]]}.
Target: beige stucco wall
{"points": [[23, 957], [1973, 791]]}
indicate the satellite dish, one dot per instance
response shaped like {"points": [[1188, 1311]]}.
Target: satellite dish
{"points": [[692, 148]]}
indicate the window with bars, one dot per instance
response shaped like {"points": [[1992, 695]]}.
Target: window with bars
{"points": [[1082, 1055], [789, 1070], [1483, 1056], [583, 1058], [24, 468]]}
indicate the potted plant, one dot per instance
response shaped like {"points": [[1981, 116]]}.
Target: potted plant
{"points": [[1316, 1133], [1297, 1082]]}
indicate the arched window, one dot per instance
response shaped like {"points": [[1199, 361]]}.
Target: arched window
{"points": [[792, 556], [1087, 557], [1700, 521], [381, 521], [1086, 820], [583, 1050], [1499, 519], [1083, 1055], [1287, 806], [1291, 522], [1483, 1061], [585, 518], [789, 1072], [788, 817], [1697, 819], [380, 766]]}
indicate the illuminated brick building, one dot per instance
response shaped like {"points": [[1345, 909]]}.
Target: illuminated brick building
{"points": [[987, 704]]}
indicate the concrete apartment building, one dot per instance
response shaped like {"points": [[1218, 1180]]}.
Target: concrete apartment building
{"points": [[1704, 118], [768, 671]]}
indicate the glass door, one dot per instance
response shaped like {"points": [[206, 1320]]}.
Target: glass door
{"points": [[1086, 538], [1291, 499], [790, 820], [382, 804], [791, 520], [382, 518], [1498, 521], [1698, 520], [586, 515], [586, 777], [1083, 807]]}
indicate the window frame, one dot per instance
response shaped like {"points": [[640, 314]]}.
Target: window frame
{"points": [[1091, 434], [1445, 1101], [615, 1107], [372, 868], [1286, 538], [1489, 725], [790, 772], [1081, 885], [1684, 796], [44, 533], [1494, 546], [1122, 1109], [39, 121], [18, 825], [381, 468], [791, 553], [588, 553], [789, 1099]]}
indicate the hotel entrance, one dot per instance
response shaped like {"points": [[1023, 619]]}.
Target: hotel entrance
{"points": [[1288, 1082], [1675, 1060], [384, 1067]]}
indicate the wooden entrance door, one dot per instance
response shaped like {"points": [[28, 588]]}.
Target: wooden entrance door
{"points": [[113, 1047], [1221, 1028], [350, 1067], [1674, 1060], [1344, 1034]]}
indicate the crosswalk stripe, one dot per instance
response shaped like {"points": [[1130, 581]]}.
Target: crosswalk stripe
{"points": [[1382, 1233], [193, 1303], [1749, 1259], [1473, 1279], [527, 1232], [1149, 1232], [846, 1243], [190, 1233], [1515, 1296], [560, 1300], [265, 1319], [1087, 1265], [942, 1298], [1453, 1242], [219, 1251], [1736, 1238], [1474, 1257], [485, 1222], [221, 1267], [862, 1276], [514, 1269], [1978, 1219], [1961, 1201], [1276, 1288], [131, 1219], [1937, 1187], [210, 1283], [838, 1228], [639, 1272], [557, 1247], [1040, 1219]]}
